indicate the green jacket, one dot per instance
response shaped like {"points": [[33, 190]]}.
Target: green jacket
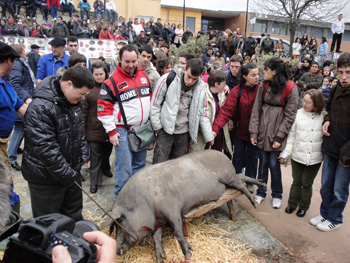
{"points": [[313, 81]]}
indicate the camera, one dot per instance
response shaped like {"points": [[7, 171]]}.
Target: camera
{"points": [[37, 237]]}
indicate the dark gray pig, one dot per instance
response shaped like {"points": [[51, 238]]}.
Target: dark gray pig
{"points": [[162, 193]]}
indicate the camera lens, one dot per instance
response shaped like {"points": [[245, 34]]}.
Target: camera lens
{"points": [[84, 226]]}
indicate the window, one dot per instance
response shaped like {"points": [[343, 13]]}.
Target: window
{"points": [[191, 22]]}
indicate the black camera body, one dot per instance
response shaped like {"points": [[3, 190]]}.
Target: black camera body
{"points": [[36, 238]]}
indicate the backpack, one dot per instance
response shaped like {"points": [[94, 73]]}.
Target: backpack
{"points": [[170, 78], [284, 98]]}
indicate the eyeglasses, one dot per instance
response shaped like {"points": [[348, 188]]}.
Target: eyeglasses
{"points": [[307, 103], [341, 73]]}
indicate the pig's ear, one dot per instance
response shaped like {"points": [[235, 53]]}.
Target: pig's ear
{"points": [[115, 213]]}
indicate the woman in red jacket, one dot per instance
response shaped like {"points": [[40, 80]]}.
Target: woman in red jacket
{"points": [[238, 106]]}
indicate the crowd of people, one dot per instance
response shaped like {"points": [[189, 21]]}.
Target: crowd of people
{"points": [[75, 113]]}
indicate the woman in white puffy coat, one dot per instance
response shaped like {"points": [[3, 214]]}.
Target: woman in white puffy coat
{"points": [[304, 146]]}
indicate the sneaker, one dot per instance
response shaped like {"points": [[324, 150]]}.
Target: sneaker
{"points": [[317, 220], [34, 18], [276, 203], [250, 188], [88, 21], [28, 17], [259, 199], [102, 20], [327, 226]]}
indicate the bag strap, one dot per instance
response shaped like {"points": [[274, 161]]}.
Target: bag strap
{"points": [[170, 78], [121, 108]]}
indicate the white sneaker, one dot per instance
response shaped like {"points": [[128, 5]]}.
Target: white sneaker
{"points": [[259, 199], [276, 203], [327, 226], [317, 220]]}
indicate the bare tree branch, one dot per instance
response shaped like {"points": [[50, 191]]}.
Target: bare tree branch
{"points": [[293, 11]]}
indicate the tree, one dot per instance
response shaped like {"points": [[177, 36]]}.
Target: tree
{"points": [[294, 11]]}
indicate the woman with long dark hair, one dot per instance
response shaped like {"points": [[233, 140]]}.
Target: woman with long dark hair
{"points": [[100, 147], [273, 114], [238, 106]]}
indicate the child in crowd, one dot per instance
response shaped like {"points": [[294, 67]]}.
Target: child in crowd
{"points": [[304, 145], [326, 87], [326, 72]]}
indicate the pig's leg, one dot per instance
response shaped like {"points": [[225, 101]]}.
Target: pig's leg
{"points": [[158, 239], [176, 224], [251, 180], [236, 183]]}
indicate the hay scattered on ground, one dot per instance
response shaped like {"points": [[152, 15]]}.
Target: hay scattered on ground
{"points": [[207, 238]]}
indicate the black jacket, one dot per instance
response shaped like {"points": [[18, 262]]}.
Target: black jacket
{"points": [[22, 82], [231, 81], [33, 60], [55, 144], [337, 145]]}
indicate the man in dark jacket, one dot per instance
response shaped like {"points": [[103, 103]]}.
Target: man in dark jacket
{"points": [[267, 45], [33, 58], [336, 152], [249, 45], [142, 39], [60, 29], [312, 79], [187, 35], [236, 62], [223, 45], [44, 31], [55, 147]]}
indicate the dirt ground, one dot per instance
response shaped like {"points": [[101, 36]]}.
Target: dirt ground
{"points": [[304, 241]]}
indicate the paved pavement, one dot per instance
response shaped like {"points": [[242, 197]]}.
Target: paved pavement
{"points": [[302, 239], [268, 231]]}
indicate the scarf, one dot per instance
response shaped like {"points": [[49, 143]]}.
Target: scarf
{"points": [[30, 70]]}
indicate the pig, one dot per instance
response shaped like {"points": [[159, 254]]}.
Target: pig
{"points": [[164, 192]]}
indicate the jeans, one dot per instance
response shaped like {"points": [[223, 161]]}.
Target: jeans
{"points": [[269, 160], [84, 10], [114, 13], [102, 14], [245, 155], [53, 10], [127, 163], [334, 189], [16, 140]]}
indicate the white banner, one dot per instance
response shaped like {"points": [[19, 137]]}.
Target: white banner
{"points": [[91, 48]]}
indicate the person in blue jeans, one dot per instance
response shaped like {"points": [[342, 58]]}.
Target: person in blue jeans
{"points": [[99, 8], [53, 5], [85, 7], [273, 114], [110, 9], [22, 79], [136, 105], [336, 152]]}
